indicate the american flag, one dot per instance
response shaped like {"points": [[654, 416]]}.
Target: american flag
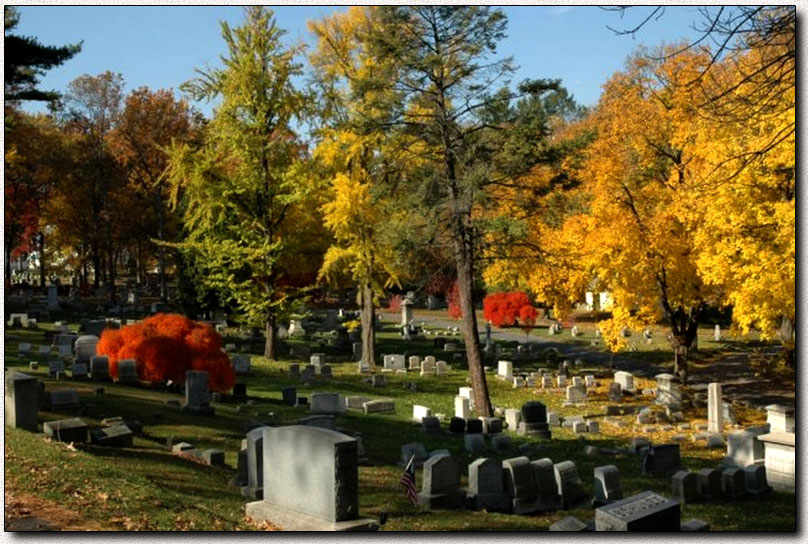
{"points": [[408, 481]]}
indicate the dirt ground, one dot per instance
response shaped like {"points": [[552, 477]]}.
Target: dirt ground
{"points": [[24, 512]]}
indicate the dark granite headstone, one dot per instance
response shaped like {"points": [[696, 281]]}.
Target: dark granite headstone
{"points": [[474, 426], [663, 458], [685, 487], [457, 425]]}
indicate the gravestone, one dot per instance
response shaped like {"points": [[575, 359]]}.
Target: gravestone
{"points": [[501, 443], [99, 368], [85, 347], [520, 485], [241, 363], [127, 372], [709, 483], [468, 393], [414, 362], [625, 379], [311, 481], [512, 418], [457, 425], [744, 448], [420, 412], [33, 365], [289, 395], [547, 382], [715, 413], [685, 487], [756, 484], [607, 485], [23, 348], [294, 370], [379, 406], [441, 368], [355, 402], [66, 430], [569, 524], [505, 370], [43, 350], [491, 425], [576, 393], [663, 458], [695, 525], [440, 488], [378, 380], [79, 371], [589, 381], [579, 427], [577, 380], [717, 333], [64, 397], [197, 396], [569, 484], [430, 424], [733, 483], [308, 373], [644, 512], [534, 420], [547, 495], [462, 409], [254, 487], [553, 419], [779, 448], [117, 436], [317, 359], [780, 418], [427, 367], [21, 401], [415, 451], [561, 381], [55, 366], [474, 443], [668, 392], [486, 489], [327, 403], [474, 426]]}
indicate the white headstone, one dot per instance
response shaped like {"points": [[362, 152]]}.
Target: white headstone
{"points": [[505, 369], [462, 407], [420, 412], [715, 412]]}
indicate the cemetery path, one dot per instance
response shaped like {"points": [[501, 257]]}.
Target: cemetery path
{"points": [[733, 371], [25, 512]]}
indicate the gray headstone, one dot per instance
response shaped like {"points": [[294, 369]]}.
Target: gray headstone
{"points": [[663, 458], [475, 443], [197, 396], [66, 430], [644, 512], [756, 483], [255, 464], [576, 393], [378, 406], [311, 480], [709, 483], [685, 487], [119, 436], [85, 347], [55, 366], [99, 368], [607, 485], [441, 483], [127, 371], [327, 403], [64, 397], [414, 450], [733, 482], [21, 401], [569, 524], [486, 490], [569, 484]]}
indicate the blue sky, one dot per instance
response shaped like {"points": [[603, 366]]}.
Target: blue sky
{"points": [[159, 47]]}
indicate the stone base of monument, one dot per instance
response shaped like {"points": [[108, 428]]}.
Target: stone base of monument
{"points": [[534, 429], [198, 410], [252, 492], [292, 520], [493, 502], [441, 501], [524, 507]]}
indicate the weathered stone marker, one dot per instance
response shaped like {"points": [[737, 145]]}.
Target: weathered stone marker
{"points": [[197, 396], [486, 489], [311, 481], [607, 485], [645, 511], [21, 400], [715, 412]]}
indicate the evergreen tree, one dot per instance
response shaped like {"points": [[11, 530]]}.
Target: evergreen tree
{"points": [[26, 60]]}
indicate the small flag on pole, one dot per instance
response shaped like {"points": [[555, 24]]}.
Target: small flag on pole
{"points": [[408, 481]]}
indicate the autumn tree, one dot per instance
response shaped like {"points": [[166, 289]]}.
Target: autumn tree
{"points": [[90, 110], [354, 155], [26, 60], [242, 189], [36, 154], [149, 123]]}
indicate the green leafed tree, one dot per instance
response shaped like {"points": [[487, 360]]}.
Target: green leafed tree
{"points": [[247, 207], [26, 60]]}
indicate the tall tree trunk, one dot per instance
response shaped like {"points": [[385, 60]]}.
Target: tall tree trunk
{"points": [[787, 331], [7, 255], [471, 336], [270, 346], [368, 319], [42, 267], [97, 268]]}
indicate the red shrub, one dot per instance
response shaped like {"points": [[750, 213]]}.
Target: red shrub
{"points": [[453, 301], [394, 303], [165, 346], [505, 309]]}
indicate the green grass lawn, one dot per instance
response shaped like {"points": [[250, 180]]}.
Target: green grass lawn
{"points": [[145, 487]]}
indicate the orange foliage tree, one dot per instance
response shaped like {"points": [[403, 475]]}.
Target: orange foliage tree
{"points": [[165, 347], [505, 309]]}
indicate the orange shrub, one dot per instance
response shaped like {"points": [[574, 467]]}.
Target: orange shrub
{"points": [[165, 347]]}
